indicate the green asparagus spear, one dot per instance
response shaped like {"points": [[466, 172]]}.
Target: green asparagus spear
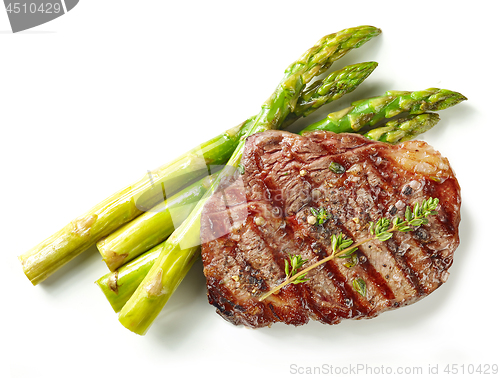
{"points": [[123, 206], [169, 269], [369, 112], [154, 226], [80, 234], [403, 129], [119, 286], [329, 89]]}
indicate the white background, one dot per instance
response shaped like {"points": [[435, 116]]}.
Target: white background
{"points": [[92, 100]]}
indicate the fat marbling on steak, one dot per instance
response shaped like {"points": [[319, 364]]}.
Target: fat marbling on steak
{"points": [[250, 227]]}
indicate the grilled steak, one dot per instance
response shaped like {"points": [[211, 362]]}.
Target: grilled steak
{"points": [[250, 227]]}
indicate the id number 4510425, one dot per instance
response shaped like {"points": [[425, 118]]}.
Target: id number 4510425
{"points": [[34, 8]]}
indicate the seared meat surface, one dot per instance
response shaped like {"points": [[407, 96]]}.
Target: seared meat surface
{"points": [[251, 225]]}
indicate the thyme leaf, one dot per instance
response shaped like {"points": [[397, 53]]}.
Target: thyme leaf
{"points": [[296, 262], [321, 215], [359, 285], [352, 262], [336, 168]]}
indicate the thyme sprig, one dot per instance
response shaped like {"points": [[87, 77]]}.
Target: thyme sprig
{"points": [[343, 247], [339, 243], [295, 264], [359, 285]]}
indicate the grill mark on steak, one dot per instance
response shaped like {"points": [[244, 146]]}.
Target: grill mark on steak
{"points": [[405, 268], [271, 307], [248, 275], [348, 298], [445, 217], [434, 260], [339, 280], [370, 274], [218, 297], [337, 284], [349, 303], [364, 269], [360, 304], [275, 254], [404, 260], [374, 276], [376, 183]]}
